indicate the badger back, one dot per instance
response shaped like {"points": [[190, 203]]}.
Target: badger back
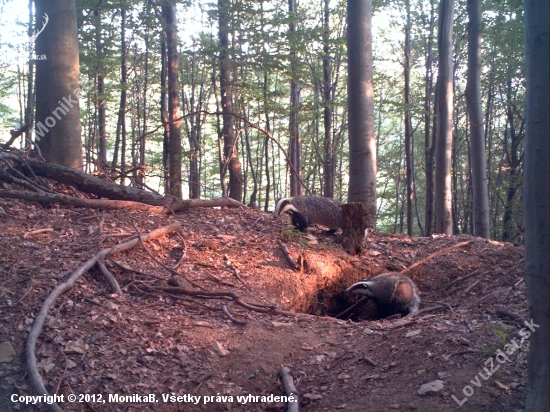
{"points": [[319, 210]]}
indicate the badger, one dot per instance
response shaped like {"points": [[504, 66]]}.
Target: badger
{"points": [[393, 293], [309, 210]]}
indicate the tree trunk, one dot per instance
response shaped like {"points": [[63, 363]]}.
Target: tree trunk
{"points": [[443, 189], [408, 124], [362, 143], [29, 109], [121, 123], [477, 134], [429, 144], [230, 153], [57, 129], [100, 96], [174, 112], [164, 115], [294, 126], [536, 199], [328, 162]]}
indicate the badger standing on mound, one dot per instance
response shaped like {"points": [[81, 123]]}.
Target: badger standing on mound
{"points": [[392, 292], [308, 210]]}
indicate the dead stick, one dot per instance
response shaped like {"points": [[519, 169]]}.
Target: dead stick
{"points": [[475, 272], [36, 329], [290, 389], [286, 253], [469, 288], [109, 278], [345, 312], [230, 316], [435, 255], [37, 231]]}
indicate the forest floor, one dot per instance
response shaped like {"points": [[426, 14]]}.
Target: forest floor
{"points": [[98, 343]]}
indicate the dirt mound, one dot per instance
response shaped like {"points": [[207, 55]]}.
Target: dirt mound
{"points": [[97, 343]]}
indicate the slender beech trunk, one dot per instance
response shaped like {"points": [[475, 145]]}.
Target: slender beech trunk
{"points": [[328, 162], [174, 112], [362, 141], [536, 200], [294, 126], [164, 114], [475, 114], [29, 109], [121, 123], [443, 189], [408, 123], [429, 144], [230, 153], [100, 95]]}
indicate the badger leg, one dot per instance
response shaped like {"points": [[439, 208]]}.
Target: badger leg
{"points": [[299, 221]]}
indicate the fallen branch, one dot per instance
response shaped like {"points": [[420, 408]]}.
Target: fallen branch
{"points": [[474, 273], [115, 287], [37, 231], [290, 389], [345, 312], [433, 255], [36, 329], [293, 264], [231, 317]]}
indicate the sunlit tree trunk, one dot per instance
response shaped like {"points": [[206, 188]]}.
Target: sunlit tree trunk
{"points": [[294, 126], [174, 112], [477, 134], [100, 95], [328, 161], [362, 141], [57, 128], [230, 153], [408, 124], [536, 198], [443, 190]]}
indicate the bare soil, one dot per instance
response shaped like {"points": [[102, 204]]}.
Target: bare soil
{"points": [[98, 343]]}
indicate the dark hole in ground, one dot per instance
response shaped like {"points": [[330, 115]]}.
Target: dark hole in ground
{"points": [[332, 303]]}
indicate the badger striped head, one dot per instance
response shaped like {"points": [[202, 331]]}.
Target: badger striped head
{"points": [[363, 287], [284, 206]]}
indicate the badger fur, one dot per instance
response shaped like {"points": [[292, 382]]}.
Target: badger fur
{"points": [[393, 293], [309, 210]]}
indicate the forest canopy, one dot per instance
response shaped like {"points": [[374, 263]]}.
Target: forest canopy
{"points": [[286, 69]]}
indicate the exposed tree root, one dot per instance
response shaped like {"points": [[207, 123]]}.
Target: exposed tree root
{"points": [[290, 389], [439, 252], [36, 329]]}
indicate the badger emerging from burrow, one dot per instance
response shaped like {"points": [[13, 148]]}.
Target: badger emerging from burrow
{"points": [[309, 210], [393, 293]]}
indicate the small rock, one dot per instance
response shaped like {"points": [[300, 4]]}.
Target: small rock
{"points": [[434, 386], [6, 352], [220, 349], [368, 331], [395, 406], [375, 253], [443, 375], [70, 364], [76, 348], [313, 396], [316, 360], [413, 333], [343, 376], [111, 305], [281, 324], [343, 406], [421, 371]]}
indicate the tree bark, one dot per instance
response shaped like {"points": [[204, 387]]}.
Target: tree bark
{"points": [[294, 125], [174, 112], [536, 199], [328, 162], [443, 189], [362, 143], [230, 153], [477, 134], [100, 96], [57, 129], [429, 144], [408, 123]]}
